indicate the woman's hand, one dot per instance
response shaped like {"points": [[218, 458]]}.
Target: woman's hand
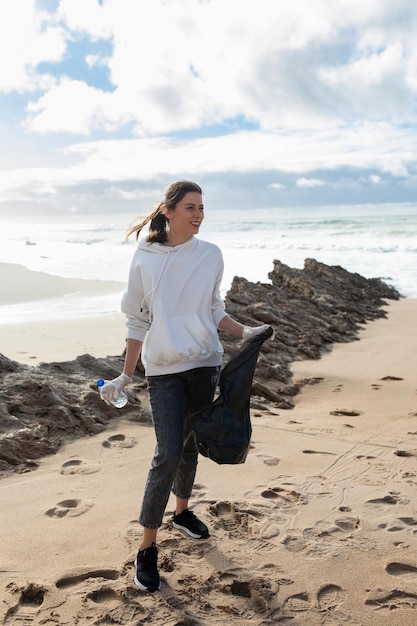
{"points": [[251, 331], [229, 325], [112, 388]]}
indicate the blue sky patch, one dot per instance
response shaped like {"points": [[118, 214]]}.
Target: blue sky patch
{"points": [[76, 66]]}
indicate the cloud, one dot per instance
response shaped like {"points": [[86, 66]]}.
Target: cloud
{"points": [[373, 87], [28, 37], [307, 102], [90, 107], [95, 60], [375, 179], [89, 17], [309, 182], [248, 168], [285, 66], [299, 152]]}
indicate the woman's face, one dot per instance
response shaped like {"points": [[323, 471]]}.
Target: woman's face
{"points": [[185, 220]]}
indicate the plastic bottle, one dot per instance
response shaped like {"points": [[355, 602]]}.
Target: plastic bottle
{"points": [[119, 400]]}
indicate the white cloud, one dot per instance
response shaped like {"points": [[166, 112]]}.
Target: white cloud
{"points": [[183, 64], [95, 60], [375, 179], [27, 37], [375, 86], [309, 182], [296, 153], [71, 106], [329, 85], [88, 16]]}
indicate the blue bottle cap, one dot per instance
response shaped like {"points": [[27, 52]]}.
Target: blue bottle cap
{"points": [[100, 382]]}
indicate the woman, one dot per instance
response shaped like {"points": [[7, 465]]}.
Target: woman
{"points": [[173, 310]]}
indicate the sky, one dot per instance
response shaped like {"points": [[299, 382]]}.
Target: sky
{"points": [[265, 103]]}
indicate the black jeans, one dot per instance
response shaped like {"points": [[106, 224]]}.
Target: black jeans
{"points": [[173, 398]]}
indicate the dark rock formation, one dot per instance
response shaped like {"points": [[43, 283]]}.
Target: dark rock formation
{"points": [[310, 309], [42, 407]]}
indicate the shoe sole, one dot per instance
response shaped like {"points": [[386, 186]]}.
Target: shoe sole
{"points": [[188, 531], [144, 588]]}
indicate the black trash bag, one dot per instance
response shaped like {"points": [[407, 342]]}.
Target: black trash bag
{"points": [[223, 429]]}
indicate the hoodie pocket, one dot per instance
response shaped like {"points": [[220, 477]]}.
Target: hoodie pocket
{"points": [[183, 338]]}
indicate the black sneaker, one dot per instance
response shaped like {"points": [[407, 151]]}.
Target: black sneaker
{"points": [[191, 524], [146, 563]]}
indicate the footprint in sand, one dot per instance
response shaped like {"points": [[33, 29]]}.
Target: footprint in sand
{"points": [[246, 521], [393, 599], [318, 452], [257, 592], [323, 539], [228, 517], [392, 378], [119, 441], [405, 453], [315, 609], [297, 603], [31, 598], [105, 596], [118, 609], [392, 498], [81, 574], [269, 460], [69, 508], [399, 524], [77, 466], [347, 524], [403, 570], [329, 597], [284, 497], [270, 529]]}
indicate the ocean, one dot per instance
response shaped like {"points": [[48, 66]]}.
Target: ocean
{"points": [[93, 247]]}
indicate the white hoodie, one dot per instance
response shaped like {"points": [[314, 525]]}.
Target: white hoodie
{"points": [[173, 304]]}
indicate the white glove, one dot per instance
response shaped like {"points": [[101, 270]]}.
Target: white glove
{"points": [[249, 332], [112, 388]]}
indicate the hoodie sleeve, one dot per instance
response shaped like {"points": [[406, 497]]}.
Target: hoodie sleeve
{"points": [[217, 303], [133, 304]]}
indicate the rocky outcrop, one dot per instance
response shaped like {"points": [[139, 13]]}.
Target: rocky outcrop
{"points": [[42, 407], [310, 309]]}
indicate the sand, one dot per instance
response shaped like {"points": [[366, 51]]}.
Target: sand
{"points": [[36, 342], [56, 340], [317, 527]]}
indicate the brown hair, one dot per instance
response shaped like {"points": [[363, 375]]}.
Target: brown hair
{"points": [[159, 224]]}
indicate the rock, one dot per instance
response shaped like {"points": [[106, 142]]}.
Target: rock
{"points": [[44, 406], [310, 309]]}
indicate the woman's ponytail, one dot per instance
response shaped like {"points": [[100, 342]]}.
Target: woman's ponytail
{"points": [[159, 223], [158, 226]]}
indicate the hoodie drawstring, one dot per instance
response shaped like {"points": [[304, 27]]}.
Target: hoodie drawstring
{"points": [[169, 257]]}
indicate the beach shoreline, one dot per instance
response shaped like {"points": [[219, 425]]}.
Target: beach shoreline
{"points": [[316, 527], [41, 337]]}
